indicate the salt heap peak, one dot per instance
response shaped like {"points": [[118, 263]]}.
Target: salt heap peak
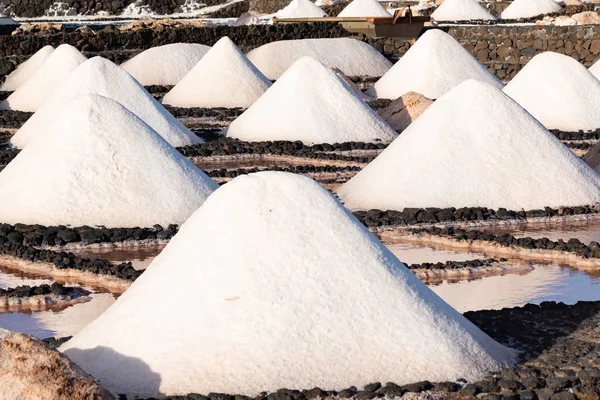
{"points": [[432, 66], [223, 78], [102, 77], [529, 8], [97, 163], [300, 9], [364, 8], [25, 70], [308, 298], [165, 65], [473, 147], [461, 10], [559, 92], [351, 56], [312, 104], [46, 80]]}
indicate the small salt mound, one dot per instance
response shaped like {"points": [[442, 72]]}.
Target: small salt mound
{"points": [[165, 65], [529, 8], [312, 104], [308, 298], [595, 69], [25, 70], [47, 79], [351, 56], [223, 78], [473, 147], [102, 77], [97, 163], [364, 8], [559, 92], [461, 10], [404, 110], [432, 66], [300, 9], [592, 157]]}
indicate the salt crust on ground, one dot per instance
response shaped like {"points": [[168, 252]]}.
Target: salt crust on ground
{"points": [[432, 66], [165, 65], [529, 8], [473, 147], [102, 77], [223, 78], [351, 56], [312, 104], [46, 80], [25, 70], [309, 297], [300, 9], [559, 92], [97, 163], [364, 8], [461, 10]]}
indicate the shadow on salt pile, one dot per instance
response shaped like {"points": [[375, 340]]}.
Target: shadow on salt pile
{"points": [[148, 381]]}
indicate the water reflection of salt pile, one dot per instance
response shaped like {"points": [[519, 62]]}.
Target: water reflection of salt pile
{"points": [[544, 283], [62, 323]]}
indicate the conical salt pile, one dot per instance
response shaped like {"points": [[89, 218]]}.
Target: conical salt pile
{"points": [[592, 157], [312, 104], [559, 92], [529, 8], [461, 10], [474, 147], [25, 70], [432, 66], [97, 163], [595, 69], [364, 8], [300, 9], [165, 65], [223, 78], [102, 77], [46, 80], [308, 297], [351, 56]]}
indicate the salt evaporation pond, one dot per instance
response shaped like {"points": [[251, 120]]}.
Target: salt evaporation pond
{"points": [[510, 289], [585, 231]]}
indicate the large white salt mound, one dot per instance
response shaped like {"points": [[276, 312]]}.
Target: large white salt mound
{"points": [[25, 70], [165, 65], [223, 78], [364, 8], [432, 66], [558, 91], [529, 8], [351, 56], [312, 104], [97, 163], [46, 80], [102, 77], [278, 286], [473, 147], [300, 9], [595, 69], [461, 10]]}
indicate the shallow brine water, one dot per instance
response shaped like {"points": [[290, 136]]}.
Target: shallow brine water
{"points": [[495, 291], [586, 231]]}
